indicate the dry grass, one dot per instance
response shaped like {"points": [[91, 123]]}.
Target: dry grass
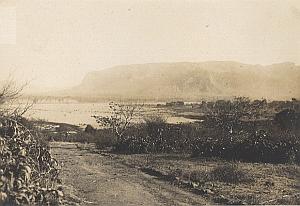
{"points": [[257, 182]]}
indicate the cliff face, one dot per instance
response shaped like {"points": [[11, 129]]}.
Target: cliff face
{"points": [[192, 81]]}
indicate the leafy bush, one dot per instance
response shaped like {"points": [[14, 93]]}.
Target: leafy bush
{"points": [[28, 172]]}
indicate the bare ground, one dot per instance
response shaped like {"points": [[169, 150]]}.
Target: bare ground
{"points": [[90, 178]]}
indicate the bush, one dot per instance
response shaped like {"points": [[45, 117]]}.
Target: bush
{"points": [[200, 176], [28, 172], [288, 119], [90, 129], [104, 138], [251, 146], [231, 173], [156, 138]]}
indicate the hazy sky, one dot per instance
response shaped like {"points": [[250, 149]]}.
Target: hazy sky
{"points": [[56, 42]]}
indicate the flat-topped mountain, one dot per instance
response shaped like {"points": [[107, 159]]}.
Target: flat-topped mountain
{"points": [[192, 81]]}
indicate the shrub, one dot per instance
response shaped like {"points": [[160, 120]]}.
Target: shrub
{"points": [[28, 172], [288, 119], [104, 138], [250, 146], [90, 129], [231, 131], [231, 173], [155, 138], [200, 176]]}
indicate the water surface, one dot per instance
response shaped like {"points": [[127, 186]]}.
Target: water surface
{"points": [[81, 113]]}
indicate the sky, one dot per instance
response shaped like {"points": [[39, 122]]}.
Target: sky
{"points": [[55, 43]]}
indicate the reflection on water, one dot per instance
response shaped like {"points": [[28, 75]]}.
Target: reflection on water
{"points": [[81, 114]]}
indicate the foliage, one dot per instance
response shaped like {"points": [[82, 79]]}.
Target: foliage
{"points": [[253, 145], [156, 138], [104, 138], [29, 174], [288, 119], [121, 117], [232, 130], [227, 115], [248, 145], [238, 133]]}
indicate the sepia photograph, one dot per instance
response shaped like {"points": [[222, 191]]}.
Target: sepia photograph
{"points": [[149, 102]]}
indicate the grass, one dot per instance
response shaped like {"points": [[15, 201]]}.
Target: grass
{"points": [[251, 183]]}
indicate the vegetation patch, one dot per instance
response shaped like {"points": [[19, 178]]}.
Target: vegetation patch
{"points": [[254, 183], [29, 174], [231, 173], [239, 129]]}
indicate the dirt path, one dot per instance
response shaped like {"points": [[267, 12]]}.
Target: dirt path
{"points": [[94, 179]]}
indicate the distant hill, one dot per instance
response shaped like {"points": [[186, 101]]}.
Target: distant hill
{"points": [[191, 81]]}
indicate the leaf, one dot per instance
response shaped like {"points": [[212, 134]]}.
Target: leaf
{"points": [[3, 197], [22, 152]]}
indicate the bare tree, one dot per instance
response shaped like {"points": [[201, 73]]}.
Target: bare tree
{"points": [[121, 117], [10, 91]]}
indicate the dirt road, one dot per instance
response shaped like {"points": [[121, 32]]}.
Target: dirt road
{"points": [[90, 178]]}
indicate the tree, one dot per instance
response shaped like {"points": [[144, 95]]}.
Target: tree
{"points": [[9, 93], [120, 118]]}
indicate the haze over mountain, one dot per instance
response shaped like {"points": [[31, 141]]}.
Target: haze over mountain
{"points": [[191, 81]]}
